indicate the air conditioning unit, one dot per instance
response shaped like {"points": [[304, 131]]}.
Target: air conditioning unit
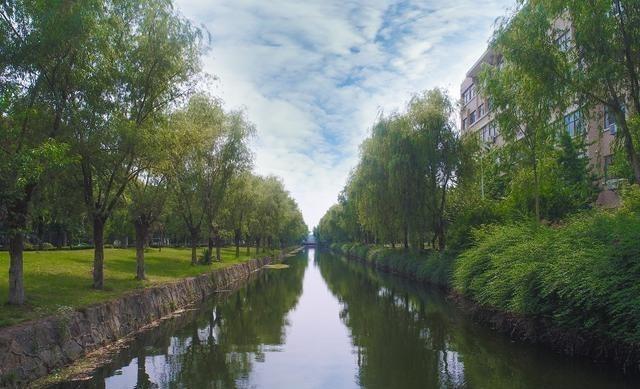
{"points": [[615, 183], [612, 128]]}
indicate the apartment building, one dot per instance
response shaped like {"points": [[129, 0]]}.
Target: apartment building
{"points": [[477, 118], [476, 114]]}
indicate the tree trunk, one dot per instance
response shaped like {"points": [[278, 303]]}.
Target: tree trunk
{"points": [[194, 246], [98, 252], [441, 239], [218, 247], [630, 151], [237, 239], [16, 276], [536, 189], [141, 237], [406, 237], [143, 379]]}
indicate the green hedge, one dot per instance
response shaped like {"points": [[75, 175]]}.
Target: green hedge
{"points": [[583, 275], [432, 267]]}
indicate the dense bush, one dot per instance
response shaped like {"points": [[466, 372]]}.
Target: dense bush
{"points": [[47, 246], [432, 267], [582, 275], [469, 214]]}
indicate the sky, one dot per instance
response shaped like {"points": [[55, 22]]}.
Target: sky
{"points": [[313, 75]]}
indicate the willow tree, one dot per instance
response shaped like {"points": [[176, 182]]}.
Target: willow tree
{"points": [[147, 197], [238, 206], [590, 51], [227, 156], [406, 179], [197, 128], [523, 92], [148, 58], [438, 157], [42, 66], [377, 208]]}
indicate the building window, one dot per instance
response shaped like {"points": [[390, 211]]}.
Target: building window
{"points": [[609, 121], [469, 94], [472, 117], [489, 133], [464, 123], [481, 111], [574, 123], [563, 42]]}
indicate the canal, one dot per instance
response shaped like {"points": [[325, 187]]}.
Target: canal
{"points": [[325, 322]]}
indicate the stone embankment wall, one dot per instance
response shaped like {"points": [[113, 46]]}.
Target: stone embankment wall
{"points": [[33, 349]]}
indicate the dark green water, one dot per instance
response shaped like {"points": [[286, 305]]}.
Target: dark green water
{"points": [[328, 323]]}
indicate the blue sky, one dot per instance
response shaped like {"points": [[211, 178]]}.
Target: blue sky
{"points": [[313, 75]]}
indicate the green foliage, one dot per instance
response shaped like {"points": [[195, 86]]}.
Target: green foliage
{"points": [[408, 163], [581, 275], [47, 246], [433, 267], [469, 213], [206, 257], [631, 198]]}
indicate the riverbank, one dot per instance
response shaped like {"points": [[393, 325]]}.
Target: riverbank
{"points": [[446, 271], [34, 349], [67, 273]]}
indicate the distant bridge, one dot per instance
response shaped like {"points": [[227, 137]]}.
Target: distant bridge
{"points": [[310, 241]]}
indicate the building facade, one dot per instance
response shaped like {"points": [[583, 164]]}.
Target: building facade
{"points": [[477, 117]]}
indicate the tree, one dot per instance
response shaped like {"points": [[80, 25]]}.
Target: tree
{"points": [[523, 100], [399, 188], [40, 65], [370, 180], [239, 202], [148, 57], [197, 128], [439, 154], [147, 196], [229, 154], [593, 61], [148, 193]]}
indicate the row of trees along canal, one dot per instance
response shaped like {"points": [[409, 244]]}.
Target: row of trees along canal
{"points": [[102, 126], [419, 181], [514, 227]]}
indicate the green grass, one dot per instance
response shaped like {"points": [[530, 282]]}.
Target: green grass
{"points": [[56, 279]]}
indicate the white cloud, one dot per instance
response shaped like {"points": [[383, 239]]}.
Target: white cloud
{"points": [[313, 75]]}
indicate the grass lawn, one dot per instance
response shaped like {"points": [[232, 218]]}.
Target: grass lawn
{"points": [[56, 279]]}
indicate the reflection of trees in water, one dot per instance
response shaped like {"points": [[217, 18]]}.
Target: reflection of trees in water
{"points": [[387, 324], [232, 334], [408, 335], [215, 346]]}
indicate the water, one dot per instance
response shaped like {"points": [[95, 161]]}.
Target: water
{"points": [[328, 323]]}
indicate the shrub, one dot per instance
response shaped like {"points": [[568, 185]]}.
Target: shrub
{"points": [[631, 198], [46, 246], [207, 257], [582, 275]]}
